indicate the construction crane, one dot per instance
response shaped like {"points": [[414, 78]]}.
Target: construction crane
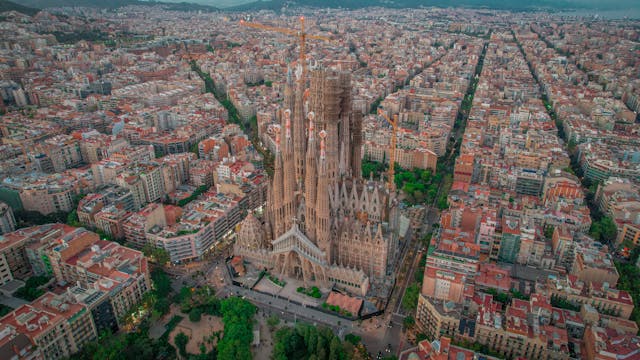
{"points": [[300, 34], [392, 149]]}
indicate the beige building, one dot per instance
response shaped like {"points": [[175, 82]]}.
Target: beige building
{"points": [[106, 171], [15, 262], [600, 296], [7, 221], [436, 317], [522, 330], [57, 326], [629, 234], [136, 226], [134, 184], [81, 258], [175, 170], [47, 198], [324, 224], [152, 181], [595, 266], [59, 153]]}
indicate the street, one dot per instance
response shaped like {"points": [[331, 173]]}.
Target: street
{"points": [[377, 333]]}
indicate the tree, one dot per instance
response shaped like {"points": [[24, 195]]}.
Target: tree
{"points": [[162, 305], [410, 299], [604, 230], [309, 342], [596, 230], [273, 321], [608, 228], [200, 190], [335, 349], [237, 316], [312, 340], [408, 322], [31, 290], [72, 219], [443, 203], [194, 149], [195, 315], [161, 282], [4, 309], [369, 167], [181, 340], [548, 232], [211, 305], [156, 254], [354, 339], [426, 241]]}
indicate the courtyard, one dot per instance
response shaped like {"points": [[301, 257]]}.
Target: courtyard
{"points": [[201, 332]]}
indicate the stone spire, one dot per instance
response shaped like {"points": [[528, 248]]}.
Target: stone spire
{"points": [[276, 192], [322, 215], [356, 144], [310, 181], [288, 176], [299, 131], [289, 96]]}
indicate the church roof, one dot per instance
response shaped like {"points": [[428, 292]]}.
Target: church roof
{"points": [[304, 246]]}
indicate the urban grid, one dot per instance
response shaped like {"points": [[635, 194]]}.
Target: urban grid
{"points": [[320, 180]]}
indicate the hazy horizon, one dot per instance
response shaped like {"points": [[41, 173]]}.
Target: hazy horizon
{"points": [[616, 5], [216, 3]]}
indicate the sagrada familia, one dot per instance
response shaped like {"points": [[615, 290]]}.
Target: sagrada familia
{"points": [[323, 223]]}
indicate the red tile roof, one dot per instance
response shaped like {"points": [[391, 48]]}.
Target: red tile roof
{"points": [[347, 303]]}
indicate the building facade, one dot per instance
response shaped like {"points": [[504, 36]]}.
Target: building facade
{"points": [[7, 221], [56, 326], [324, 224]]}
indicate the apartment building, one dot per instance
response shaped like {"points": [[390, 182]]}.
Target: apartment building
{"points": [[54, 325], [136, 226], [202, 225], [83, 259], [14, 345], [7, 221], [17, 250]]}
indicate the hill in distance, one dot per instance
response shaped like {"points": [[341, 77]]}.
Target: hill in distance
{"points": [[490, 4], [11, 6], [113, 4]]}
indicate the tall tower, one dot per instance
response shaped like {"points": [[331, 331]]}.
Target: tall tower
{"points": [[299, 131], [317, 177], [322, 212], [289, 96], [356, 145], [330, 99], [310, 182], [289, 181], [276, 191]]}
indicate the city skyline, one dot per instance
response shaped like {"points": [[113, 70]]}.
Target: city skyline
{"points": [[318, 183]]}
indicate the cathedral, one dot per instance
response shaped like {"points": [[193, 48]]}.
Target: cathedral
{"points": [[323, 223]]}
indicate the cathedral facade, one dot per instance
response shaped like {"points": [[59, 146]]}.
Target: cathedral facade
{"points": [[323, 223]]}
